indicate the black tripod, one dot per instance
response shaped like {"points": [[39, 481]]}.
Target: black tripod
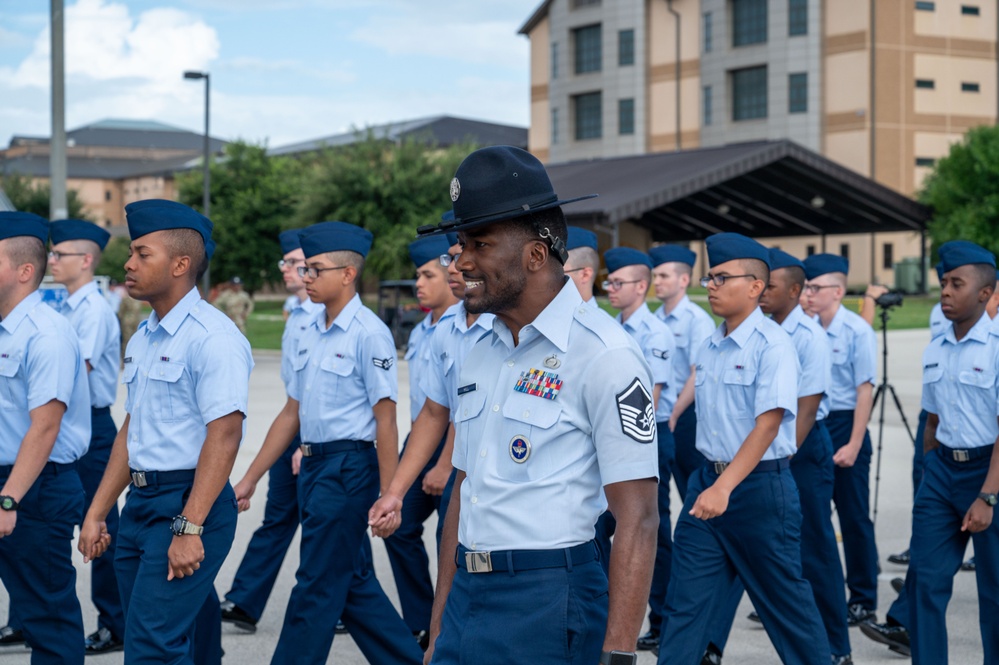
{"points": [[879, 395]]}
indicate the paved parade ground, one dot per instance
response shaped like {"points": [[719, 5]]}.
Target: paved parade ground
{"points": [[748, 644]]}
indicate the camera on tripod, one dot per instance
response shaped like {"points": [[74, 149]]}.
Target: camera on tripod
{"points": [[889, 300]]}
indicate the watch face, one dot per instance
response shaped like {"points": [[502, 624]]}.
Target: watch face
{"points": [[7, 503], [177, 526]]}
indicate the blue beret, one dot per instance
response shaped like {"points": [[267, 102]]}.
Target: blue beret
{"points": [[160, 215], [723, 247], [289, 241], [581, 238], [940, 271], [957, 253], [335, 237], [430, 248], [452, 239], [78, 229], [817, 265], [13, 224], [620, 257], [781, 259], [672, 254]]}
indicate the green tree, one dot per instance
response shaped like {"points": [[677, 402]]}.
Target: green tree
{"points": [[253, 198], [962, 191], [28, 196], [113, 259]]}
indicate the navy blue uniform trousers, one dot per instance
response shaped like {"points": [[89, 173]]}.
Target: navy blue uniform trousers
{"points": [[948, 490], [852, 495], [36, 565], [175, 622], [335, 577], [408, 555], [264, 555], [757, 540], [687, 459], [103, 581]]}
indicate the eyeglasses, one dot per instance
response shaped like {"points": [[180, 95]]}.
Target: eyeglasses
{"points": [[289, 263], [57, 256], [719, 280], [608, 285], [815, 288], [313, 273], [447, 259], [576, 270]]}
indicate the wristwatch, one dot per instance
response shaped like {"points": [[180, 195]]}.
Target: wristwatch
{"points": [[990, 499], [181, 527], [618, 658], [7, 503]]}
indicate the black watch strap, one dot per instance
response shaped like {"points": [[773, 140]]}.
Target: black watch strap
{"points": [[618, 658], [8, 503], [990, 499]]}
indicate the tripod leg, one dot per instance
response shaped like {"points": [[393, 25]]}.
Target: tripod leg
{"points": [[898, 405], [881, 437]]}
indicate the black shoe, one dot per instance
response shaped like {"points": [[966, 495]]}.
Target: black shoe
{"points": [[340, 628], [648, 641], [969, 565], [237, 616], [102, 641], [898, 584], [422, 638], [754, 616], [842, 660], [896, 637], [712, 656], [857, 614], [902, 558], [11, 637]]}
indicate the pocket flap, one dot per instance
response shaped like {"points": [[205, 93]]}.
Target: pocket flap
{"points": [[469, 405], [532, 410], [932, 374], [8, 367], [338, 366], [168, 372], [129, 372], [979, 379], [740, 377]]}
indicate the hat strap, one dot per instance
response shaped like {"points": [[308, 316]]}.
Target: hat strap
{"points": [[557, 245]]}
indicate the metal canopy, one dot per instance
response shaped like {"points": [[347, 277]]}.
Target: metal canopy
{"points": [[762, 189]]}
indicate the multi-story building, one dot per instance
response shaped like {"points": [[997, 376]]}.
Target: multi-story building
{"points": [[883, 88]]}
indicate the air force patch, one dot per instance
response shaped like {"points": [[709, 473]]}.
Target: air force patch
{"points": [[520, 449], [382, 363], [634, 407]]}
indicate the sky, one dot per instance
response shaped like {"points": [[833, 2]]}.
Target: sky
{"points": [[281, 70]]}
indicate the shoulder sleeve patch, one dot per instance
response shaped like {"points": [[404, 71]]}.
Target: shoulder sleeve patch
{"points": [[634, 408]]}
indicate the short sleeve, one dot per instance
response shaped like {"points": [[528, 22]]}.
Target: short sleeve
{"points": [[378, 366], [433, 383], [90, 329], [51, 368], [931, 374], [815, 357], [661, 347], [221, 374], [701, 328], [777, 380], [865, 352]]}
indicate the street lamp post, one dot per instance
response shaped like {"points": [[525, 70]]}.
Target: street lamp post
{"points": [[206, 201]]}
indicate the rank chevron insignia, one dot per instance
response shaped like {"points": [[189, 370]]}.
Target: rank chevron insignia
{"points": [[634, 407]]}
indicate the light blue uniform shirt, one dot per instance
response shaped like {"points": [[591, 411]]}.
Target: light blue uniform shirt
{"points": [[543, 426], [300, 315], [182, 372], [961, 385], [100, 341], [341, 372], [592, 302], [854, 353], [814, 357], [421, 360], [656, 341], [938, 322], [740, 377], [449, 344], [40, 361], [690, 325]]}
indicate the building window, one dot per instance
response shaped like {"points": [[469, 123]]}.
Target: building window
{"points": [[925, 161], [809, 250], [926, 6], [554, 60], [797, 17], [709, 33], [887, 256], [749, 22], [625, 48], [625, 116], [844, 251], [589, 119], [797, 93], [708, 105], [554, 126], [107, 194], [589, 55], [579, 4], [969, 87], [749, 93], [970, 10], [926, 84]]}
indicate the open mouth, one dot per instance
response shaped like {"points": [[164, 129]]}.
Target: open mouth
{"points": [[472, 284]]}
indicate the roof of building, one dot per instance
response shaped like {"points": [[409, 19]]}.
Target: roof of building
{"points": [[121, 133], [535, 18], [97, 168], [760, 189], [442, 130]]}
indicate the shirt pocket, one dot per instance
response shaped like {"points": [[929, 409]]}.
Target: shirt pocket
{"points": [[467, 425], [740, 391], [169, 392], [529, 447], [977, 392], [10, 390], [335, 377]]}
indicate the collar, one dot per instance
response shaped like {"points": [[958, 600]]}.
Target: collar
{"points": [[553, 322], [306, 305], [741, 334], [460, 315], [978, 333], [837, 323], [171, 322], [81, 294], [20, 311], [343, 319], [637, 318], [793, 319]]}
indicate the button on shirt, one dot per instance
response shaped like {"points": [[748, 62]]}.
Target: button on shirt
{"points": [[656, 341], [300, 315], [40, 361], [690, 325], [341, 372], [420, 360], [854, 353], [740, 377], [100, 341], [572, 402], [814, 357], [961, 385], [182, 372], [451, 341]]}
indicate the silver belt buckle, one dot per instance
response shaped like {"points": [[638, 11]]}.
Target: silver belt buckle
{"points": [[720, 467], [306, 450], [961, 456], [479, 562], [139, 478]]}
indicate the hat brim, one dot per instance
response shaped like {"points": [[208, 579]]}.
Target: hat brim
{"points": [[453, 226]]}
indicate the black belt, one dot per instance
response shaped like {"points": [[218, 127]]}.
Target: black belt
{"points": [[50, 468], [763, 467], [966, 454], [100, 410], [155, 478], [334, 447], [513, 560]]}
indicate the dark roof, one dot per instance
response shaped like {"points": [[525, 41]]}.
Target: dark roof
{"points": [[761, 189], [539, 13], [131, 134], [96, 168], [440, 130]]}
